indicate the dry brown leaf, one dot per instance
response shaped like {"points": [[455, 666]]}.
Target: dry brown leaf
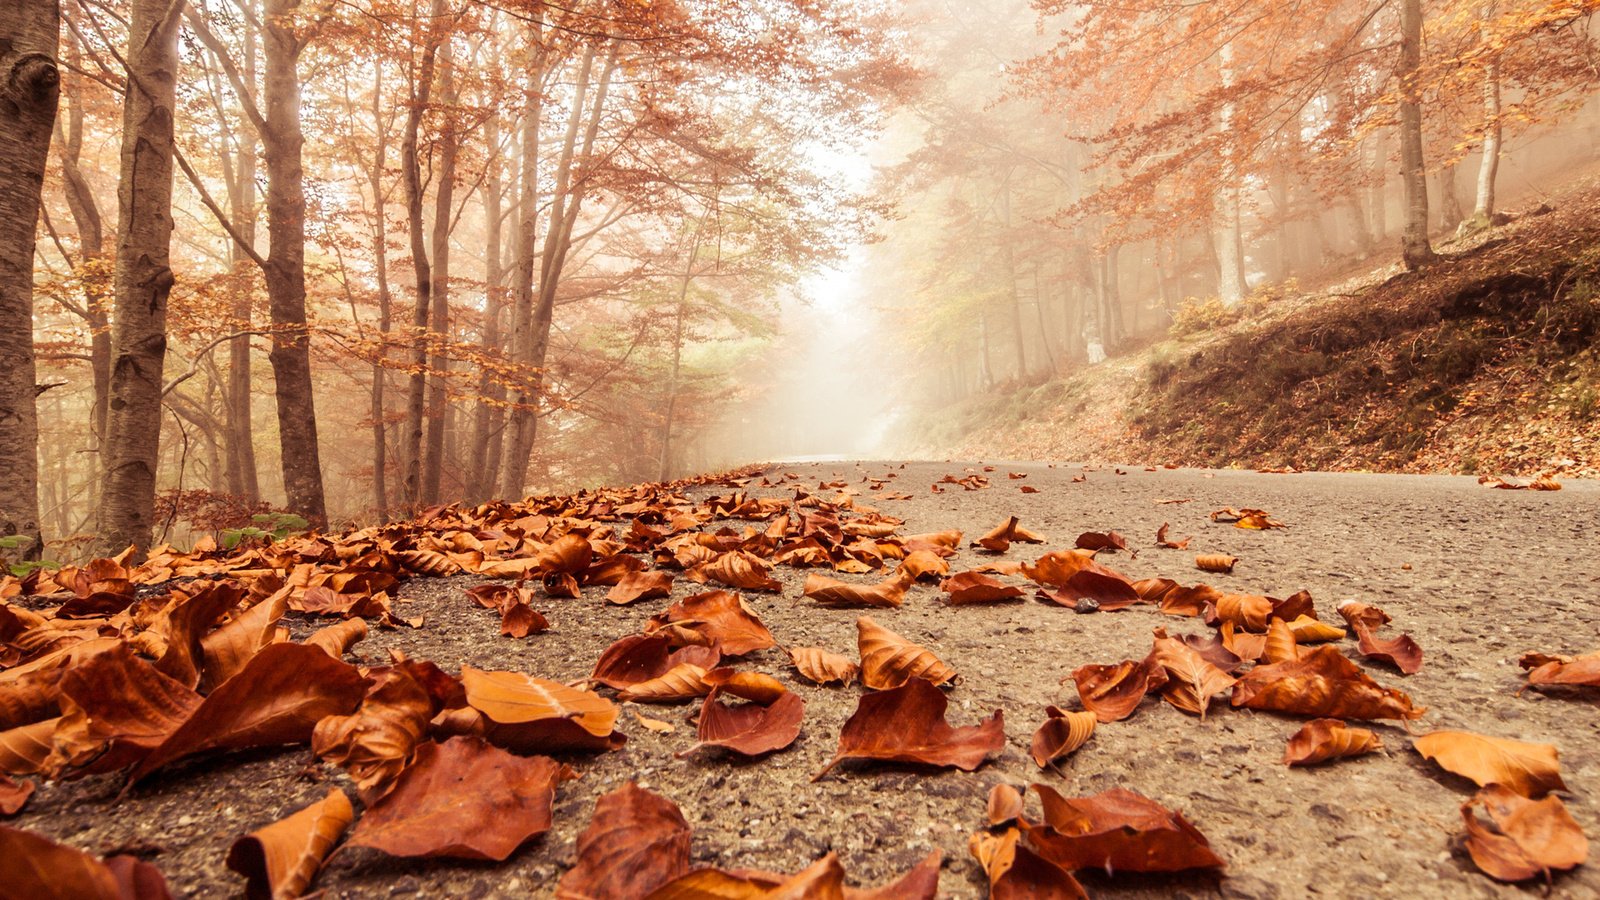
{"points": [[464, 799], [1322, 683], [638, 658], [1528, 838], [737, 569], [636, 842], [1163, 541], [337, 639], [1258, 519], [833, 592], [530, 714], [1112, 693], [1247, 611], [1191, 680], [721, 618], [1321, 740], [1060, 736], [1531, 770], [823, 667], [1307, 630], [1005, 804], [974, 587], [749, 729], [1017, 873], [14, 795], [906, 724], [650, 585], [24, 749], [684, 681], [1569, 670], [1402, 652], [277, 698], [1280, 644], [33, 867], [754, 686], [1247, 647], [116, 708], [1095, 541], [1215, 562], [228, 648], [375, 742], [1357, 613], [924, 564], [1119, 831], [656, 725], [282, 859], [889, 660]]}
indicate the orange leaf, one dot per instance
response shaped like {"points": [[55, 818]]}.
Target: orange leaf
{"points": [[34, 867], [833, 592], [1529, 769], [1060, 736], [974, 587], [1324, 684], [1528, 838], [823, 667], [889, 660], [1112, 693], [638, 658], [720, 617], [636, 842], [1192, 681], [1321, 740], [749, 729], [906, 724], [1119, 831], [282, 859], [1005, 804], [651, 585]]}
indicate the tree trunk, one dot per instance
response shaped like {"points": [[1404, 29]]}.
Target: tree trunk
{"points": [[1416, 251], [380, 256], [1044, 328], [514, 465], [30, 86], [1489, 168], [91, 246], [1230, 243], [142, 278], [411, 170], [487, 417], [243, 478], [1450, 214], [282, 142], [439, 293]]}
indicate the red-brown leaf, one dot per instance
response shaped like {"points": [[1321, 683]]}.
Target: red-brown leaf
{"points": [[636, 842], [906, 724], [1119, 831]]}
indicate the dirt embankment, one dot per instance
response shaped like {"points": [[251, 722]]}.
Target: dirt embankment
{"points": [[1485, 362]]}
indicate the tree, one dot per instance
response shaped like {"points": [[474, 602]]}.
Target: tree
{"points": [[29, 92], [143, 279], [1416, 250]]}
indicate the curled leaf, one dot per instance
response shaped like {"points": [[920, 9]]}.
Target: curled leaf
{"points": [[535, 715], [1531, 770], [1215, 562], [650, 585], [889, 660], [1060, 736], [636, 842], [974, 587], [282, 859], [1017, 873], [336, 640], [1321, 740], [720, 617], [683, 681], [1119, 831], [833, 592], [1005, 804], [749, 729], [823, 667], [1527, 838], [1324, 684], [1113, 692]]}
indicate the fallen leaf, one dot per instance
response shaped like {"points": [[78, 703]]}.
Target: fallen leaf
{"points": [[1258, 519], [889, 660], [1528, 838], [1191, 680], [823, 667], [922, 564], [1000, 538], [33, 867], [1215, 562], [1017, 873], [1321, 740], [1279, 644], [1529, 769], [650, 585], [519, 620], [227, 649], [1005, 804], [1322, 683], [277, 698], [683, 681], [1113, 692], [1060, 736], [116, 708], [906, 724], [336, 640], [721, 617], [755, 686], [1248, 611], [1307, 630], [1118, 831], [1357, 613], [656, 725], [24, 749], [282, 859], [974, 587], [375, 742], [640, 657], [530, 714], [1402, 652], [833, 592], [1580, 670], [14, 795], [1163, 541], [738, 569], [636, 842], [464, 799], [749, 729], [1247, 647]]}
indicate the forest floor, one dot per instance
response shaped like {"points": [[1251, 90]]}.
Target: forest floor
{"points": [[1476, 576], [1486, 362]]}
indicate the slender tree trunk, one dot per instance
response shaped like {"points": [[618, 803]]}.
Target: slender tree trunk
{"points": [[142, 279], [380, 256], [91, 250], [514, 464], [1416, 251], [411, 170], [1008, 259], [1450, 214], [1044, 329], [664, 462], [439, 293], [1230, 242], [282, 143], [1489, 168], [487, 417], [30, 87], [243, 477]]}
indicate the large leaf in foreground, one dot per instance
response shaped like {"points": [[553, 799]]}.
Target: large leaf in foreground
{"points": [[1017, 873], [282, 859], [466, 799], [889, 660], [906, 724], [636, 842], [277, 698], [1119, 831], [33, 867]]}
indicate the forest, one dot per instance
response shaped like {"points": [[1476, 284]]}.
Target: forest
{"points": [[272, 264]]}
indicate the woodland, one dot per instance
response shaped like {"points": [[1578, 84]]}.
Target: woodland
{"points": [[330, 328]]}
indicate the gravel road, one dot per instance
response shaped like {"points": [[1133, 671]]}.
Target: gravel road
{"points": [[1477, 576]]}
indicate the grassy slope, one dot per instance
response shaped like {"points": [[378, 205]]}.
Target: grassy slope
{"points": [[1487, 362]]}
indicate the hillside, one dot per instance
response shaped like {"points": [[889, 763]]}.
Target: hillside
{"points": [[1483, 363]]}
